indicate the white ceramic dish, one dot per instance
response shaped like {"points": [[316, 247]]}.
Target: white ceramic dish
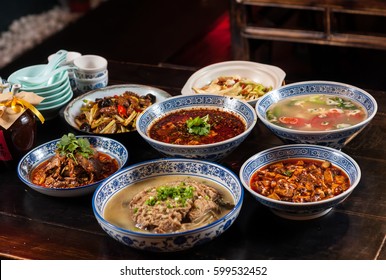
{"points": [[268, 75], [73, 108]]}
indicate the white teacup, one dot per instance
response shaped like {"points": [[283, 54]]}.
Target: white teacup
{"points": [[90, 67]]}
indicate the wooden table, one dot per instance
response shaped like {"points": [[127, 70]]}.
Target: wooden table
{"points": [[35, 226]]}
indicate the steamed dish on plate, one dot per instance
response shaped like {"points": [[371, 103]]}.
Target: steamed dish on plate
{"points": [[300, 180], [196, 127], [316, 113], [168, 204], [76, 163], [113, 114], [235, 86]]}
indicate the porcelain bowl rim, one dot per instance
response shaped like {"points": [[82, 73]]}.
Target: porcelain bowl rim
{"points": [[237, 206], [318, 132]]}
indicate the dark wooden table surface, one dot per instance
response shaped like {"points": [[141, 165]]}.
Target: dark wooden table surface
{"points": [[35, 226]]}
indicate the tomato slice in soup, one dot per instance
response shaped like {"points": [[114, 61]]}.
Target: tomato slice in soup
{"points": [[323, 123], [292, 121]]}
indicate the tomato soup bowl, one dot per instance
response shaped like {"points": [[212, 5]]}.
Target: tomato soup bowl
{"points": [[35, 157], [335, 138], [212, 152], [300, 210], [153, 169]]}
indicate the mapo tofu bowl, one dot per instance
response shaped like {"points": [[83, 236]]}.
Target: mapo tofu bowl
{"points": [[72, 165], [168, 204], [317, 112], [206, 126], [298, 181]]}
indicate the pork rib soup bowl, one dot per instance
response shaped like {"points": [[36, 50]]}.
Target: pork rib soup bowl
{"points": [[295, 181], [111, 149], [317, 112], [229, 116], [121, 217]]}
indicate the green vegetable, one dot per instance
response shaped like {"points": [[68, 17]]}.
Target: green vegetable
{"points": [[69, 145], [199, 126], [180, 194]]}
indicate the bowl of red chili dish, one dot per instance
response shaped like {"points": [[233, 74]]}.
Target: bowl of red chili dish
{"points": [[72, 165], [300, 181], [201, 126], [317, 112]]}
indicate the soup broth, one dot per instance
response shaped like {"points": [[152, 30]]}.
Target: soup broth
{"points": [[141, 206], [316, 113]]}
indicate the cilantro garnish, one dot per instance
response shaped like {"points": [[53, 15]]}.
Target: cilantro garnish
{"points": [[199, 126], [69, 145]]}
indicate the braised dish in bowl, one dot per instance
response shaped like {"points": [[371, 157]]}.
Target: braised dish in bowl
{"points": [[72, 165], [168, 204], [197, 126], [300, 181]]}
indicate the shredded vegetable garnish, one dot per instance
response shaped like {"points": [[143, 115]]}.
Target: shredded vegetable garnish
{"points": [[235, 86]]}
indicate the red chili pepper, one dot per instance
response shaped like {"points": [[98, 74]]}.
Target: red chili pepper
{"points": [[122, 111]]}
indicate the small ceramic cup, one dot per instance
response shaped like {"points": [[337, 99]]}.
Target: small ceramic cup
{"points": [[90, 67], [85, 85]]}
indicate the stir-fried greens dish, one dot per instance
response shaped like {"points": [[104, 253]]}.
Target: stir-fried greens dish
{"points": [[235, 86], [75, 163], [113, 114]]}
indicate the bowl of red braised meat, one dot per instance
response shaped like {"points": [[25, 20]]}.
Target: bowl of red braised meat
{"points": [[300, 181], [204, 126], [72, 165], [317, 112], [168, 204]]}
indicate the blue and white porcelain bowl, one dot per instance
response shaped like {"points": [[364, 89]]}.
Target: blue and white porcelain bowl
{"points": [[89, 84], [332, 138], [45, 151], [308, 210], [160, 167], [212, 152]]}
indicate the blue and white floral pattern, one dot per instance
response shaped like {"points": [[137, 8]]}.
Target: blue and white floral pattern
{"points": [[168, 166], [45, 151], [212, 152], [336, 138], [300, 210]]}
